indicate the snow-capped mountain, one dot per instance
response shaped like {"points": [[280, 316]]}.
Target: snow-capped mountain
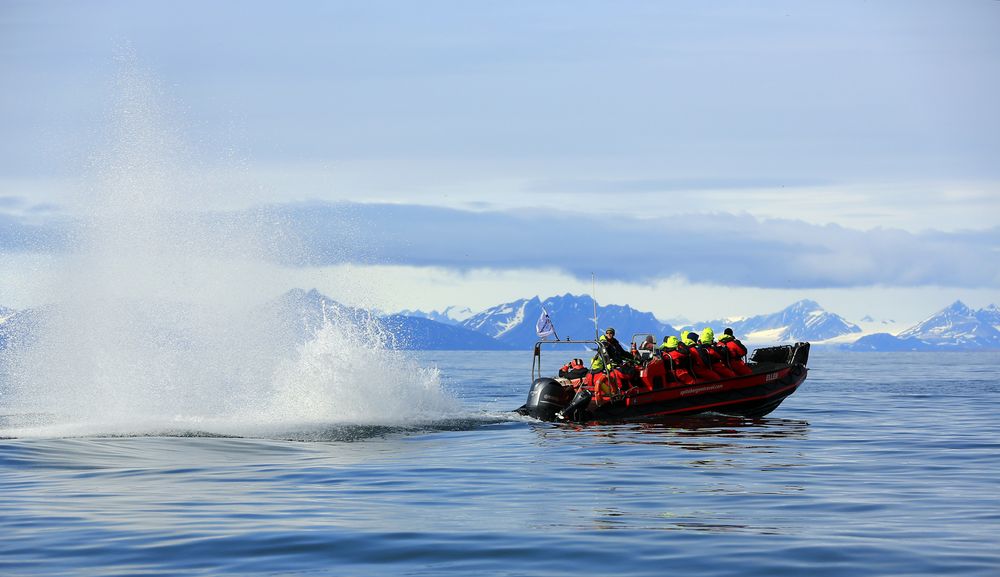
{"points": [[450, 315], [573, 318], [293, 318], [804, 320], [425, 334], [990, 315], [512, 325], [302, 312], [870, 324], [956, 327]]}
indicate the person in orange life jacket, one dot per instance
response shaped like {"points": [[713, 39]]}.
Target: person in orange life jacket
{"points": [[573, 370], [608, 379], [718, 365], [680, 359], [702, 363], [736, 351]]}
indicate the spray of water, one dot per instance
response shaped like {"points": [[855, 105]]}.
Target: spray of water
{"points": [[157, 321], [327, 380]]}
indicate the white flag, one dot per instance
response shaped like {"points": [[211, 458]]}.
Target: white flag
{"points": [[544, 326]]}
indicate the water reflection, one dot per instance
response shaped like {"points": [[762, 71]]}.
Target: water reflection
{"points": [[696, 433], [685, 474]]}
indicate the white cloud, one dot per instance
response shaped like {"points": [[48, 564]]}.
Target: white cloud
{"points": [[720, 248]]}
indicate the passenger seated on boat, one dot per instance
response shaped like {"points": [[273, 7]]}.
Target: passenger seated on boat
{"points": [[700, 362], [629, 374], [718, 365], [602, 387], [734, 351], [623, 378], [608, 384], [573, 370], [679, 358]]}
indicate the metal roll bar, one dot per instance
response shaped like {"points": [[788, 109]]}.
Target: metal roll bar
{"points": [[536, 361]]}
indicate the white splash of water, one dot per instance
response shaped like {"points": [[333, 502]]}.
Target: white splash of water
{"points": [[346, 374], [156, 320]]}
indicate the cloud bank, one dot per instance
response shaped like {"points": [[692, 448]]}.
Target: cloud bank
{"points": [[719, 248]]}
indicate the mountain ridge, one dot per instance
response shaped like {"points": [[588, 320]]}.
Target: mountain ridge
{"points": [[803, 320], [511, 325], [571, 315], [955, 327]]}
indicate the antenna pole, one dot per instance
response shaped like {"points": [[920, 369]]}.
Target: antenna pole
{"points": [[593, 283]]}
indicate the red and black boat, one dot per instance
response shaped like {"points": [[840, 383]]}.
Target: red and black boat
{"points": [[649, 391]]}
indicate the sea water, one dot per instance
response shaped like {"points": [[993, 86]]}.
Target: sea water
{"points": [[880, 464]]}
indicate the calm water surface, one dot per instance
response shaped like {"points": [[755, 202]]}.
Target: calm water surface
{"points": [[878, 465]]}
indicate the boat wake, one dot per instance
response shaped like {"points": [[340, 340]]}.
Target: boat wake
{"points": [[57, 427]]}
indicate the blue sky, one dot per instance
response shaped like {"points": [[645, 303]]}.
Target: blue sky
{"points": [[743, 155]]}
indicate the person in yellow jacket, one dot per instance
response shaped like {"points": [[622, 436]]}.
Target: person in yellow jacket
{"points": [[680, 359], [701, 364], [717, 366]]}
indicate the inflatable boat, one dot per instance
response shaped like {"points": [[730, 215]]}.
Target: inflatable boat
{"points": [[648, 390]]}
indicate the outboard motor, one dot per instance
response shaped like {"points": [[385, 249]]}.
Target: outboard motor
{"points": [[574, 410], [545, 399]]}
